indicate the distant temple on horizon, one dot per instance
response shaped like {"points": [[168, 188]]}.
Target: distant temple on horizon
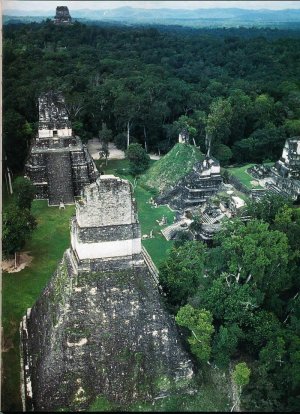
{"points": [[62, 15]]}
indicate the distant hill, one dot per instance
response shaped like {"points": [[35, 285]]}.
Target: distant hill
{"points": [[167, 171], [227, 17]]}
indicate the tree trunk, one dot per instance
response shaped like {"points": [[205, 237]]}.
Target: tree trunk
{"points": [[15, 260], [128, 134], [9, 181], [145, 137], [6, 180]]}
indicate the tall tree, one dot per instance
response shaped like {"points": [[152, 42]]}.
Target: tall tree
{"points": [[219, 122], [105, 136], [17, 226], [199, 322], [138, 159], [24, 192], [183, 271]]}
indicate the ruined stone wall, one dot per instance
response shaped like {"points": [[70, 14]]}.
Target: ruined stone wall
{"points": [[289, 164], [108, 201], [193, 189], [106, 224]]}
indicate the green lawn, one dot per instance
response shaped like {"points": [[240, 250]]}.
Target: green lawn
{"points": [[20, 290], [243, 176]]}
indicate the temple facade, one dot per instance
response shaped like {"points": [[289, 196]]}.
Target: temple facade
{"points": [[105, 234], [58, 165], [289, 164], [203, 182], [284, 177]]}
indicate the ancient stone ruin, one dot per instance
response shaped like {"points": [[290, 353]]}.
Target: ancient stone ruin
{"points": [[284, 177], [195, 188], [62, 16], [184, 137], [289, 164], [59, 166], [99, 327]]}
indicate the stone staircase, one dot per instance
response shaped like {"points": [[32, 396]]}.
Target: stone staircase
{"points": [[59, 165], [170, 230], [258, 194], [153, 269], [206, 219]]}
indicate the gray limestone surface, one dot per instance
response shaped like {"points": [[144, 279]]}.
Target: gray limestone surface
{"points": [[106, 334]]}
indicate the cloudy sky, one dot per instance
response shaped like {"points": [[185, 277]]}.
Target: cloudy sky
{"points": [[96, 5]]}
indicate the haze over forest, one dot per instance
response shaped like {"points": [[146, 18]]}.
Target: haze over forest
{"points": [[214, 17]]}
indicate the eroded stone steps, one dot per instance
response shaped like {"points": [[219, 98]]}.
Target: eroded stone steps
{"points": [[59, 165]]}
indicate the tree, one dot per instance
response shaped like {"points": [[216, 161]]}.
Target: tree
{"points": [[105, 136], [267, 207], [292, 127], [223, 154], [24, 192], [253, 253], [219, 122], [17, 226], [199, 322], [182, 271], [127, 107], [139, 160], [240, 376], [241, 105], [263, 110], [264, 143], [226, 343], [184, 122]]}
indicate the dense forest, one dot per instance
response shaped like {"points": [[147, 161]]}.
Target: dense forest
{"points": [[240, 85], [240, 297], [238, 302]]}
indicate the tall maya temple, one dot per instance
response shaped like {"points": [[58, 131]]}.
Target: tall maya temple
{"points": [[99, 329], [62, 16], [59, 165]]}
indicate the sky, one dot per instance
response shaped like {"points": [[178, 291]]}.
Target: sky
{"points": [[97, 5]]}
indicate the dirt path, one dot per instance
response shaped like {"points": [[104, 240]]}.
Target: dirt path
{"points": [[94, 147], [9, 265]]}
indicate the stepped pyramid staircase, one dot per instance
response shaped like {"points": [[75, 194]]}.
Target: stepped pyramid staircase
{"points": [[169, 231], [59, 165]]}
